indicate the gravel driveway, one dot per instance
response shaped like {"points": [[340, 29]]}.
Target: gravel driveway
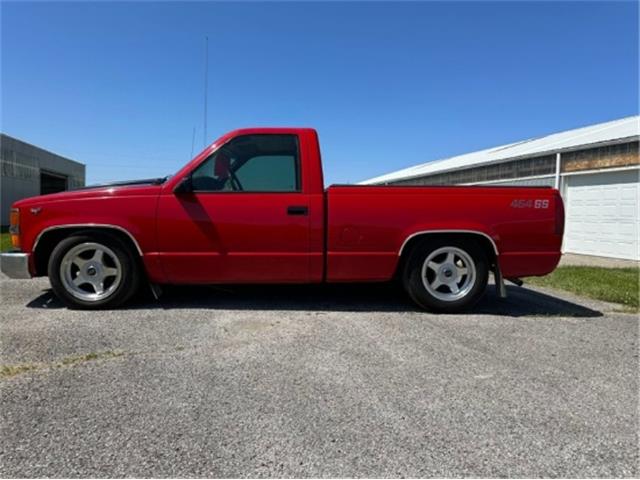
{"points": [[316, 381]]}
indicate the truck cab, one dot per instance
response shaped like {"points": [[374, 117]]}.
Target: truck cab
{"points": [[251, 211]]}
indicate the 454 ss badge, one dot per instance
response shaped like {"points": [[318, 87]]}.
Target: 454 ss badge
{"points": [[530, 203]]}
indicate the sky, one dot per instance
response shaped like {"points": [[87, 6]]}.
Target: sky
{"points": [[120, 86]]}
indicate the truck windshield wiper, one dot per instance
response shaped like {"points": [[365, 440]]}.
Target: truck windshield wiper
{"points": [[161, 180]]}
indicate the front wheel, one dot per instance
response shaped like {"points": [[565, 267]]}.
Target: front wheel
{"points": [[93, 271], [446, 275]]}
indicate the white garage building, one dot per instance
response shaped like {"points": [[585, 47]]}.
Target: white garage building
{"points": [[596, 168]]}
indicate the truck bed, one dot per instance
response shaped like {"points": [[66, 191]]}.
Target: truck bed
{"points": [[370, 226]]}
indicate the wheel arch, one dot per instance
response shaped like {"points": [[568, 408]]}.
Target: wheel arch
{"points": [[486, 242], [48, 238]]}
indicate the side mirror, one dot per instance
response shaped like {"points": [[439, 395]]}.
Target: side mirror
{"points": [[184, 186]]}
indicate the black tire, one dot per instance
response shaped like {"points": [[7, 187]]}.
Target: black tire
{"points": [[130, 271], [417, 290]]}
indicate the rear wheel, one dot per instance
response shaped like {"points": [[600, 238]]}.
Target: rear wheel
{"points": [[446, 275], [93, 271]]}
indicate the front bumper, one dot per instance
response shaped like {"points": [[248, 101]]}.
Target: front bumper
{"points": [[15, 264]]}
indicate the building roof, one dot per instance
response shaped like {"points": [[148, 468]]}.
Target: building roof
{"points": [[603, 133], [9, 143]]}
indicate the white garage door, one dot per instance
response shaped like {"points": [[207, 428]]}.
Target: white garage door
{"points": [[602, 214]]}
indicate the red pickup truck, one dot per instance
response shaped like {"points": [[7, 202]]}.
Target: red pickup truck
{"points": [[252, 208]]}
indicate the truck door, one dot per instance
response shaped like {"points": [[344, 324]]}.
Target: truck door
{"points": [[243, 217]]}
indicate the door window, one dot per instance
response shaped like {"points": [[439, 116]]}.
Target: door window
{"points": [[251, 163]]}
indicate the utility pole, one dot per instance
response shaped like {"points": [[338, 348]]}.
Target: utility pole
{"points": [[206, 87]]}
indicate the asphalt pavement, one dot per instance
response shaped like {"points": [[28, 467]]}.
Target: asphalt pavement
{"points": [[342, 381]]}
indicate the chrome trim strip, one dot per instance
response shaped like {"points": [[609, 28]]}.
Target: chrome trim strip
{"points": [[90, 225], [15, 264], [423, 232]]}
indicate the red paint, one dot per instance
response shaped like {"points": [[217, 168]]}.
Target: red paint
{"points": [[239, 237]]}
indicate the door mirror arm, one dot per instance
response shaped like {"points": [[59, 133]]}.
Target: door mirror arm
{"points": [[184, 186]]}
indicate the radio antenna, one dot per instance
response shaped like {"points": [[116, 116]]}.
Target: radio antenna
{"points": [[206, 86], [193, 141]]}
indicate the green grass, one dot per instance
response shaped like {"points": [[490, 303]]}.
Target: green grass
{"points": [[13, 370], [616, 285], [5, 241]]}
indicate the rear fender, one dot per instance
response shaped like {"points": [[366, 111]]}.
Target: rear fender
{"points": [[467, 228]]}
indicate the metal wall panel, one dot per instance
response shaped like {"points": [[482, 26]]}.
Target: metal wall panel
{"points": [[20, 165]]}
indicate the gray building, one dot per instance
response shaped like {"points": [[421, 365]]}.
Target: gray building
{"points": [[595, 168], [27, 170]]}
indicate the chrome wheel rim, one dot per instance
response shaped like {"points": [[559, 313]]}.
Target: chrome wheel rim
{"points": [[90, 271], [448, 273]]}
